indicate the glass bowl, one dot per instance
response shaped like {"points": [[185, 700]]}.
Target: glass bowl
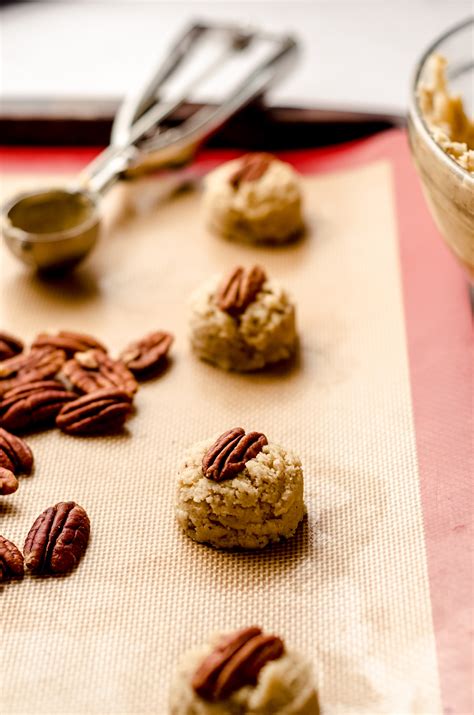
{"points": [[448, 187]]}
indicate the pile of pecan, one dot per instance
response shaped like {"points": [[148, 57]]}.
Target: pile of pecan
{"points": [[54, 544], [70, 380]]}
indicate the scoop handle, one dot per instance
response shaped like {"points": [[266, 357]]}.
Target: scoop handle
{"points": [[139, 141]]}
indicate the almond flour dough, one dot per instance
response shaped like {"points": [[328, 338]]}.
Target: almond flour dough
{"points": [[267, 209], [448, 186], [284, 687], [260, 505], [445, 115], [264, 334]]}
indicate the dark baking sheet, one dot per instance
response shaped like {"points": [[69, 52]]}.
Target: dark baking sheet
{"points": [[86, 122]]}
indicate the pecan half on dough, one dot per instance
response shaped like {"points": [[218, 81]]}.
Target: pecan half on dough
{"points": [[236, 661], [230, 453], [252, 167], [239, 289]]}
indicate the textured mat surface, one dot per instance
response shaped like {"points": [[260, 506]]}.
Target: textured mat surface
{"points": [[350, 590]]}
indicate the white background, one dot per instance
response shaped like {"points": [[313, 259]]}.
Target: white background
{"points": [[356, 54]]}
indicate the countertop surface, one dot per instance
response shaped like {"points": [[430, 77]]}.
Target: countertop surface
{"points": [[357, 54]]}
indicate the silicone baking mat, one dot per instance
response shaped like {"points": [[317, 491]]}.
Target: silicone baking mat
{"points": [[375, 587]]}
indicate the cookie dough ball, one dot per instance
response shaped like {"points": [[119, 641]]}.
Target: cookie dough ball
{"points": [[255, 198], [243, 673], [242, 322], [240, 492]]}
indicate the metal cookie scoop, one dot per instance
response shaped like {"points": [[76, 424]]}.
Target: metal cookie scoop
{"points": [[53, 229]]}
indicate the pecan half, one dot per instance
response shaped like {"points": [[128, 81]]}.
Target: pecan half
{"points": [[94, 370], [15, 454], [95, 413], [239, 289], [252, 167], [5, 461], [236, 661], [33, 404], [148, 354], [57, 539], [38, 364], [68, 341], [8, 482], [11, 560], [9, 346], [230, 453]]}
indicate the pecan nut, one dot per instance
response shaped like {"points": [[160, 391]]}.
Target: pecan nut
{"points": [[95, 413], [148, 354], [9, 346], [57, 539], [15, 454], [68, 341], [236, 661], [230, 453], [8, 482], [38, 364], [239, 289], [94, 370], [252, 167], [11, 560], [33, 404], [5, 460]]}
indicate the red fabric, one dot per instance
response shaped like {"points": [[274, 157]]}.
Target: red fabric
{"points": [[441, 358]]}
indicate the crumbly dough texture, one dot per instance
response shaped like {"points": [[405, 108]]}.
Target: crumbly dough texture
{"points": [[261, 505], [266, 210], [264, 334], [445, 115], [284, 687], [450, 195]]}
